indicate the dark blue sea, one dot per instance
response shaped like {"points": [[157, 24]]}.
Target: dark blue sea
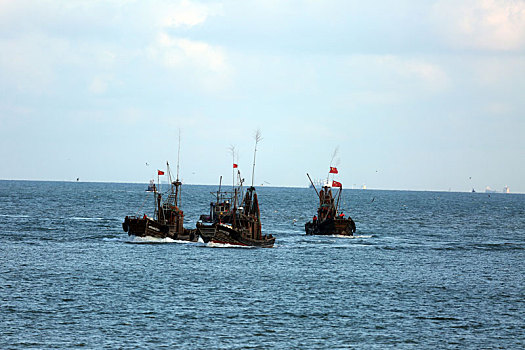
{"points": [[425, 270]]}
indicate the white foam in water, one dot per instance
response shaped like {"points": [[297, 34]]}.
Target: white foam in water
{"points": [[148, 239], [364, 236], [225, 245], [114, 239], [85, 219], [343, 236], [14, 216]]}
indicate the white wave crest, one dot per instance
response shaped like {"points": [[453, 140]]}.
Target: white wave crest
{"points": [[85, 219], [148, 239], [14, 216], [355, 236], [226, 245]]}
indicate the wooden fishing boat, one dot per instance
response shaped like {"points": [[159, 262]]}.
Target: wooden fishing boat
{"points": [[329, 221], [168, 218], [232, 222], [220, 213]]}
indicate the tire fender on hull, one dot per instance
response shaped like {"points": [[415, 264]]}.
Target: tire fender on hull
{"points": [[125, 225]]}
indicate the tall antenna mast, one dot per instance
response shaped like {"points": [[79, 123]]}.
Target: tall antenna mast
{"points": [[232, 151], [334, 154], [257, 137], [178, 158]]}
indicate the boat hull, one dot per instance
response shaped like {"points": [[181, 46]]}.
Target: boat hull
{"points": [[339, 226], [205, 231], [225, 234], [147, 227]]}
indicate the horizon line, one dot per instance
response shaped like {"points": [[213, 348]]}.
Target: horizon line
{"points": [[270, 186]]}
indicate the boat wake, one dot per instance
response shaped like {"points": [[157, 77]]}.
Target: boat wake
{"points": [[226, 245], [14, 216], [76, 218], [354, 236], [150, 240]]}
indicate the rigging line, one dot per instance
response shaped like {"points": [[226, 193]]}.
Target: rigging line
{"points": [[141, 206]]}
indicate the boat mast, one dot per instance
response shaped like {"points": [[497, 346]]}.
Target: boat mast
{"points": [[177, 182], [178, 158], [241, 181], [257, 137], [313, 186], [338, 197], [334, 154], [232, 151], [219, 191], [234, 209]]}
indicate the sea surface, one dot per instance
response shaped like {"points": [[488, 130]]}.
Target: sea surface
{"points": [[425, 270]]}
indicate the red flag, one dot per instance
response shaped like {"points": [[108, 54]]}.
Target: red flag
{"points": [[234, 165], [333, 170], [336, 184], [160, 172]]}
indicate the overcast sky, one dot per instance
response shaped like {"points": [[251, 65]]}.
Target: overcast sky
{"points": [[423, 95]]}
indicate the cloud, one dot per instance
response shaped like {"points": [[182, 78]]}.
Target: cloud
{"points": [[197, 59], [100, 84], [27, 62], [186, 14], [56, 45], [179, 50], [394, 71], [432, 75], [482, 24]]}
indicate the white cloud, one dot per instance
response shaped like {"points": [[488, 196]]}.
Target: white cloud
{"points": [[27, 62], [198, 59], [99, 85], [431, 74], [400, 71], [482, 24], [186, 14]]}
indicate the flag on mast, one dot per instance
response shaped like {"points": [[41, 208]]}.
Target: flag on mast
{"points": [[160, 172], [336, 184], [235, 165], [333, 170]]}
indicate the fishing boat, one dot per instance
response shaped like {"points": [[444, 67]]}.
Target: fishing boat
{"points": [[151, 186], [168, 218], [221, 212], [489, 190], [329, 220], [235, 222]]}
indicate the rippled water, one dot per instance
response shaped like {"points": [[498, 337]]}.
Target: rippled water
{"points": [[426, 269]]}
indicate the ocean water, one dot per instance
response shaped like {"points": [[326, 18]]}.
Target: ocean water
{"points": [[425, 270]]}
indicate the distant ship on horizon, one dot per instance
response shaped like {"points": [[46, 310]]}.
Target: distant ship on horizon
{"points": [[489, 190]]}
